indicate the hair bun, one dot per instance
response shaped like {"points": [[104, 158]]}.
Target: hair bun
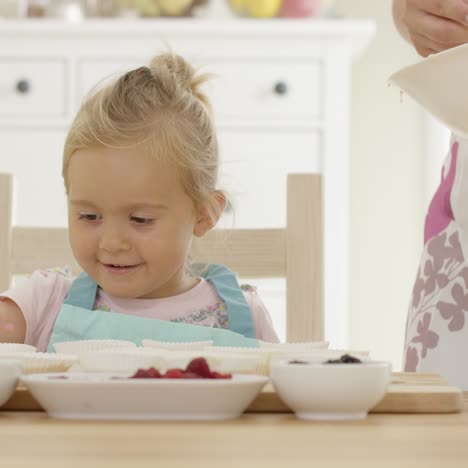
{"points": [[180, 71]]}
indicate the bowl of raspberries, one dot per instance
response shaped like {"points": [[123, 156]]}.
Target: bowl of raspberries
{"points": [[193, 393]]}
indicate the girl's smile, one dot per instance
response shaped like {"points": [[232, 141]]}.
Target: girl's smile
{"points": [[120, 269]]}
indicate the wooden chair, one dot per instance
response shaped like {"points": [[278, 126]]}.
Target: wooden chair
{"points": [[294, 252]]}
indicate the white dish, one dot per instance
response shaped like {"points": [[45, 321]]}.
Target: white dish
{"points": [[98, 396], [438, 83], [10, 370], [321, 391]]}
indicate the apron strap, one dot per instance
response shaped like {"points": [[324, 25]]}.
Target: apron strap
{"points": [[226, 285], [82, 292]]}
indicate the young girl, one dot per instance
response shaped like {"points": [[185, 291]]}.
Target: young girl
{"points": [[140, 170]]}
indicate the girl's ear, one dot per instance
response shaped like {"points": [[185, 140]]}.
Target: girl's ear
{"points": [[210, 213]]}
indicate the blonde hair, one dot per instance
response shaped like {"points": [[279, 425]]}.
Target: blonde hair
{"points": [[162, 109]]}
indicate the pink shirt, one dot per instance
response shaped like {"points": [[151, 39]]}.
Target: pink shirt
{"points": [[41, 296]]}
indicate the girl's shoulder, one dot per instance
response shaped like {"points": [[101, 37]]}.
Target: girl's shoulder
{"points": [[248, 288], [44, 282], [63, 272], [264, 329], [40, 296], [253, 299]]}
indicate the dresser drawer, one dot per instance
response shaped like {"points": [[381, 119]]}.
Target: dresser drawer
{"points": [[96, 71], [32, 88], [239, 91], [267, 91]]}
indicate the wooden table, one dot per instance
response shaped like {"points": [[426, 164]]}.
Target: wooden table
{"points": [[30, 439]]}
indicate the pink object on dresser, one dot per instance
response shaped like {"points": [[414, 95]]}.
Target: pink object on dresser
{"points": [[299, 8]]}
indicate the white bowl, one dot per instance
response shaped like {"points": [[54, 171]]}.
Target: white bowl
{"points": [[438, 83], [330, 391], [10, 370], [103, 396]]}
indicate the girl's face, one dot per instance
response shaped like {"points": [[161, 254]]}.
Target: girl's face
{"points": [[130, 222]]}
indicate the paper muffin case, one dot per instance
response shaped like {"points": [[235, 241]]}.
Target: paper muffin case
{"points": [[42, 362], [261, 354], [16, 348], [83, 346], [121, 360], [238, 364], [297, 346], [239, 349], [183, 346]]}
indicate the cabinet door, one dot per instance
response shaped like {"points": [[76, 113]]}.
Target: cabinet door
{"points": [[35, 159], [254, 169]]}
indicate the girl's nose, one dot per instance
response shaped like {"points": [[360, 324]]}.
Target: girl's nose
{"points": [[113, 239]]}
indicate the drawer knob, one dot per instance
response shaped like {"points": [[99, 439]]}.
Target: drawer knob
{"points": [[23, 86], [281, 88]]}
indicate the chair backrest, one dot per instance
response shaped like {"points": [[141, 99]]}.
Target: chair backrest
{"points": [[294, 252]]}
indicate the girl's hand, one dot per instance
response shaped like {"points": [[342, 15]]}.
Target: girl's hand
{"points": [[432, 25], [12, 323]]}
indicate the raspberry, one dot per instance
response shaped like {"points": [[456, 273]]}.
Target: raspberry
{"points": [[174, 374], [140, 374], [153, 373], [200, 367], [218, 375], [190, 375]]}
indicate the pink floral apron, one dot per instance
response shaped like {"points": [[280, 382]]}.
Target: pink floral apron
{"points": [[437, 324]]}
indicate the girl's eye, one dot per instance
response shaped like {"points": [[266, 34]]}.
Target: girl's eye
{"points": [[140, 220], [88, 216]]}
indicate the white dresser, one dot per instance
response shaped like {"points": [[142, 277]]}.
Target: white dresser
{"points": [[282, 104]]}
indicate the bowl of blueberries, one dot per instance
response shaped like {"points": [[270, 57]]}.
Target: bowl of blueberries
{"points": [[346, 388]]}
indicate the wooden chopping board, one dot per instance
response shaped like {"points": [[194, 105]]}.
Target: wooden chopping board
{"points": [[408, 393]]}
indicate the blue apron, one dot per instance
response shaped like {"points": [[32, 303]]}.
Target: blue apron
{"points": [[78, 321]]}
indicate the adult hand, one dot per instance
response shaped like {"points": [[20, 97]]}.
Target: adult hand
{"points": [[432, 25]]}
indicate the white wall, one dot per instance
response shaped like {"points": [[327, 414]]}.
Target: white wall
{"points": [[387, 188]]}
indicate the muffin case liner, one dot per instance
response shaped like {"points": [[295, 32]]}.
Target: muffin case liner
{"points": [[84, 346], [121, 360], [192, 345], [42, 362], [16, 348]]}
